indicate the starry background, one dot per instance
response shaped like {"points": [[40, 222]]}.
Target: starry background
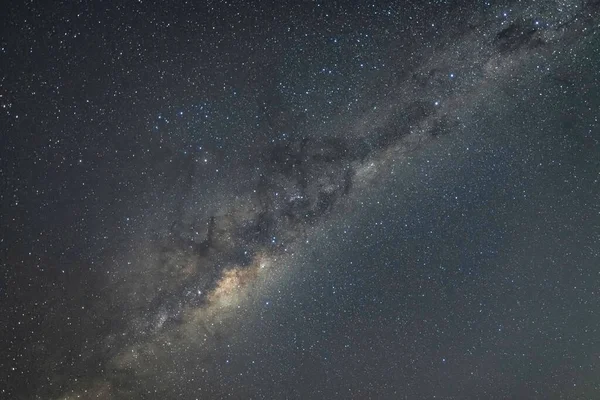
{"points": [[300, 200]]}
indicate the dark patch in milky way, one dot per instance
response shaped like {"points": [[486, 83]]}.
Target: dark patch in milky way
{"points": [[302, 182], [302, 179], [518, 35]]}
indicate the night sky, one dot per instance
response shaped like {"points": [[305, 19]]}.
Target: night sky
{"points": [[300, 200]]}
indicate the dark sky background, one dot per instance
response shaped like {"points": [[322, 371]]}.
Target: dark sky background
{"points": [[300, 200]]}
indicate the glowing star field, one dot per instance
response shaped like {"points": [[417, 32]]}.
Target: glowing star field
{"points": [[300, 200]]}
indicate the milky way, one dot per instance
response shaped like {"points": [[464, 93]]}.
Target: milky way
{"points": [[313, 127]]}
